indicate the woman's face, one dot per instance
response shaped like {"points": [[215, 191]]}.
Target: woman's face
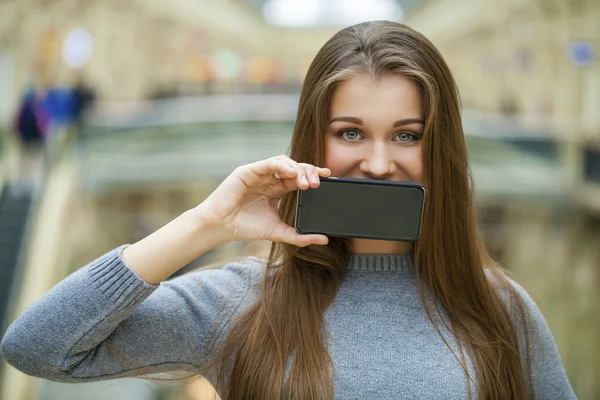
{"points": [[375, 130]]}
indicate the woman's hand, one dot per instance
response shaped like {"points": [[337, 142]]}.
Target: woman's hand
{"points": [[245, 204]]}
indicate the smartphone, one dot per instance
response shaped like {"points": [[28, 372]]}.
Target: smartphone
{"points": [[362, 208]]}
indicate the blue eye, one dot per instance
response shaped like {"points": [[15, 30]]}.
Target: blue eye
{"points": [[407, 137], [350, 134]]}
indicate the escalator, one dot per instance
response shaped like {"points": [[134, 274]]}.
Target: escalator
{"points": [[15, 207]]}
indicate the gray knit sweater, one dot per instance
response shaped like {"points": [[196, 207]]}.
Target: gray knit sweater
{"points": [[104, 322]]}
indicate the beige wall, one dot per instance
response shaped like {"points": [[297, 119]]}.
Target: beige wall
{"points": [[483, 44]]}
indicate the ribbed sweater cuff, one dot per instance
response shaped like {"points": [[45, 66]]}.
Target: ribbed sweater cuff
{"points": [[117, 281]]}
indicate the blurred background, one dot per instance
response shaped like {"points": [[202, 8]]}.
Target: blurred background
{"points": [[118, 115]]}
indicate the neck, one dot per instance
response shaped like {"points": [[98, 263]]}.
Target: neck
{"points": [[368, 246]]}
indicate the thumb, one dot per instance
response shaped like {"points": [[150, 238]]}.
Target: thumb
{"points": [[287, 234]]}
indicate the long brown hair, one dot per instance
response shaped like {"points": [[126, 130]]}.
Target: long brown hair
{"points": [[286, 324]]}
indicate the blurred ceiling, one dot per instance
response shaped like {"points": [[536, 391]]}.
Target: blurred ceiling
{"points": [[406, 5], [359, 6], [242, 20]]}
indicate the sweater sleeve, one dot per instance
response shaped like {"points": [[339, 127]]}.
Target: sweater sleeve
{"points": [[549, 378], [104, 322]]}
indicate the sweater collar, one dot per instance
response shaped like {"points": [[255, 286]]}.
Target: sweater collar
{"points": [[381, 262]]}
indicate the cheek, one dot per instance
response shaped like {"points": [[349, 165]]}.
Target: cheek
{"points": [[339, 158], [411, 164], [418, 167]]}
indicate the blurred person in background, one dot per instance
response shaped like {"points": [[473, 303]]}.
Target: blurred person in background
{"points": [[30, 126], [323, 317], [84, 98]]}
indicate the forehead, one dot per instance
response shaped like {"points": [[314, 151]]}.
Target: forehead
{"points": [[391, 94]]}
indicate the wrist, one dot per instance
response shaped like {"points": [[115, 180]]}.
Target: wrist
{"points": [[206, 225]]}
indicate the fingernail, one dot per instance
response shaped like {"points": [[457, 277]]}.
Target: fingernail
{"points": [[303, 180], [314, 178]]}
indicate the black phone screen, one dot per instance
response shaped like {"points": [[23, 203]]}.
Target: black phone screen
{"points": [[362, 208]]}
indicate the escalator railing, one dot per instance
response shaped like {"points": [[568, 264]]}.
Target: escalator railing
{"points": [[15, 209]]}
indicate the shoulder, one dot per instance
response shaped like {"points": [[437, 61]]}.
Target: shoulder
{"points": [[520, 304], [527, 318], [511, 292], [535, 337], [536, 342]]}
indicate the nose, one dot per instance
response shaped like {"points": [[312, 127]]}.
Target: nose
{"points": [[377, 164]]}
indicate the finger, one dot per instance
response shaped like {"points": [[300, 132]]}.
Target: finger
{"points": [[302, 178], [273, 166], [324, 172], [289, 185], [297, 180], [287, 234], [312, 174], [285, 159], [315, 174]]}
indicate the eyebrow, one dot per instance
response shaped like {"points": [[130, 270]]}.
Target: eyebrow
{"points": [[358, 121]]}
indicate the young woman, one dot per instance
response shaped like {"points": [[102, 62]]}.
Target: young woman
{"points": [[325, 318]]}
